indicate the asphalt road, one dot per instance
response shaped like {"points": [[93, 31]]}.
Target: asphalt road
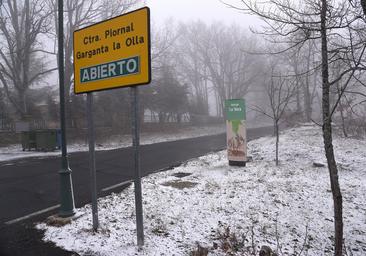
{"points": [[32, 184]]}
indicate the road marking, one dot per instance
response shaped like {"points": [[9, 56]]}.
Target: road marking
{"points": [[117, 185], [58, 205], [32, 214]]}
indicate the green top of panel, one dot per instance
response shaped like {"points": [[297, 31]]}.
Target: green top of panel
{"points": [[235, 109]]}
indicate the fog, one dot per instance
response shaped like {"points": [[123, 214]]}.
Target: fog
{"points": [[203, 52], [204, 10]]}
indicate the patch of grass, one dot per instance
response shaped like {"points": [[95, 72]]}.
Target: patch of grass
{"points": [[160, 231], [56, 221], [199, 251]]}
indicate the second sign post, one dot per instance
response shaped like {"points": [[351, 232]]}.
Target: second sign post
{"points": [[236, 132]]}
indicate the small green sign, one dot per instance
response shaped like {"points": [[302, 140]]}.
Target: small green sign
{"points": [[122, 67], [235, 109]]}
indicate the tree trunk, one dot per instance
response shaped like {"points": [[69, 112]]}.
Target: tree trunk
{"points": [[298, 103], [327, 136], [277, 139], [341, 109], [179, 118], [207, 105], [363, 3], [298, 100], [161, 117], [24, 104], [306, 88], [307, 100], [27, 50]]}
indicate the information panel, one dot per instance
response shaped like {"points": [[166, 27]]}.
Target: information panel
{"points": [[236, 131], [113, 53]]}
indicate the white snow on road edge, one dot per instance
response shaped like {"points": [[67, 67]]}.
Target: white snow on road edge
{"points": [[293, 198], [117, 141]]}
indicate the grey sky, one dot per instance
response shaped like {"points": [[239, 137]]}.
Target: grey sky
{"points": [[186, 10], [205, 10]]}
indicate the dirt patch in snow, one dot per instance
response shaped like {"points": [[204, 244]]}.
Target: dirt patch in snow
{"points": [[180, 184]]}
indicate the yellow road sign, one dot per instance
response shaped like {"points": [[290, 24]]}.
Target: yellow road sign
{"points": [[113, 53]]}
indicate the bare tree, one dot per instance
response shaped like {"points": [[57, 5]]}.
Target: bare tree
{"points": [[21, 64], [363, 4], [232, 70], [221, 59], [163, 40], [301, 59], [280, 91], [192, 67], [326, 21]]}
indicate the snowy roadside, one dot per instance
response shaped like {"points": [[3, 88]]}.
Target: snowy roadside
{"points": [[15, 151], [288, 207]]}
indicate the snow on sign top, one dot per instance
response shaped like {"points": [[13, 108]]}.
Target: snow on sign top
{"points": [[113, 53]]}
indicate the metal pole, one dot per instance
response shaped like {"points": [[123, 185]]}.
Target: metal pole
{"points": [[67, 207], [93, 180], [136, 144]]}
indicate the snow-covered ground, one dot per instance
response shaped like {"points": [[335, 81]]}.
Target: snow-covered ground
{"points": [[288, 208], [118, 141]]}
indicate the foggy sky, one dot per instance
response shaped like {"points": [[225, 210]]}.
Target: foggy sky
{"points": [[205, 10]]}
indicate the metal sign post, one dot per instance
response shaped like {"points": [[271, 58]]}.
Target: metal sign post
{"points": [[136, 145], [93, 179], [67, 207]]}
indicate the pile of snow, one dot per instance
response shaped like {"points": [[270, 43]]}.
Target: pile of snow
{"points": [[288, 208], [118, 141]]}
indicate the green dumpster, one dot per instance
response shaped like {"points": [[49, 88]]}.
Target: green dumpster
{"points": [[29, 140], [46, 140]]}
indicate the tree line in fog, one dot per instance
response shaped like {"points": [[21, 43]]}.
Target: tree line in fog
{"points": [[195, 67]]}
